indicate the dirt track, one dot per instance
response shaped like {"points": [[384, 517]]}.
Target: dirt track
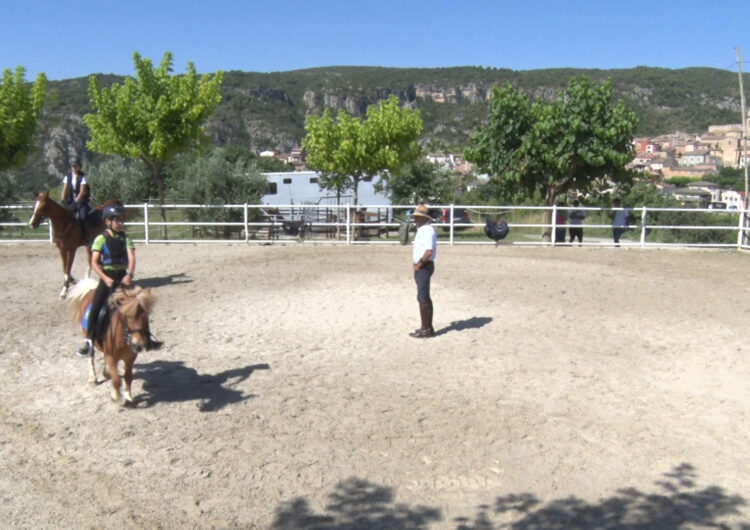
{"points": [[567, 388]]}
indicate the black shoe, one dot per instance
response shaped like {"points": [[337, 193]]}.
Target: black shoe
{"points": [[423, 333], [86, 349], [153, 344]]}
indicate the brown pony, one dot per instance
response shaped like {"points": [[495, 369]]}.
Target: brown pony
{"points": [[126, 333], [66, 233]]}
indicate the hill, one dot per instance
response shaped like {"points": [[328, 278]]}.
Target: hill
{"points": [[267, 110]]}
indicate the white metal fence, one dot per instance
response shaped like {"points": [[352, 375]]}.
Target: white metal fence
{"points": [[330, 224]]}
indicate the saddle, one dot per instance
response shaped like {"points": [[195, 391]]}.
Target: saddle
{"points": [[101, 322]]}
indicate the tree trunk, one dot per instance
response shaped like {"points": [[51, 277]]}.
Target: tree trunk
{"points": [[158, 173]]}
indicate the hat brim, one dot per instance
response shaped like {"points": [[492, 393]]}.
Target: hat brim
{"points": [[420, 214]]}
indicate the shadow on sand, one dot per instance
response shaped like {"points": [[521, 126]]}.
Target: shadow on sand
{"points": [[161, 281], [460, 325], [675, 503], [169, 381]]}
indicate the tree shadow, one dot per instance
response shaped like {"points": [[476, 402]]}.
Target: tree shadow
{"points": [[161, 281], [460, 325], [676, 503], [355, 504], [169, 381]]}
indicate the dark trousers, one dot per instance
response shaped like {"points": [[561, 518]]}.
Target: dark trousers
{"points": [[617, 231], [422, 278], [101, 295], [576, 233]]}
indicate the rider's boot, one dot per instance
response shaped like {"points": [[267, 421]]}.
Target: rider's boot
{"points": [[86, 349]]}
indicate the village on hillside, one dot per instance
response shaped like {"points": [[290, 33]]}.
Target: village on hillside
{"points": [[693, 156]]}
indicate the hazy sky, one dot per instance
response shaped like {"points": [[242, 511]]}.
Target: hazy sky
{"points": [[76, 37]]}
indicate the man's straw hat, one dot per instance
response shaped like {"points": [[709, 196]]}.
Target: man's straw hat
{"points": [[421, 211]]}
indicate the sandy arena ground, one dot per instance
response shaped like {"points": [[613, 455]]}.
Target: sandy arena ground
{"points": [[567, 388]]}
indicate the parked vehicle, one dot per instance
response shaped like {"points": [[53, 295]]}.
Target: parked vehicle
{"points": [[460, 217]]}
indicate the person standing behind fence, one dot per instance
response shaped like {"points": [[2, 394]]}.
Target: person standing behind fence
{"points": [[560, 223], [424, 252], [576, 223], [620, 218]]}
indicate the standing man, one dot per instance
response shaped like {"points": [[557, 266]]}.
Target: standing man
{"points": [[576, 223], [620, 219], [423, 257], [75, 193]]}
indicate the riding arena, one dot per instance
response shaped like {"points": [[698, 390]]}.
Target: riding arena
{"points": [[567, 387]]}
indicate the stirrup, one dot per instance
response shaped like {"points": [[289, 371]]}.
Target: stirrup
{"points": [[86, 350]]}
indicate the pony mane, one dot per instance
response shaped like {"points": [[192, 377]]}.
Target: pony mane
{"points": [[128, 301]]}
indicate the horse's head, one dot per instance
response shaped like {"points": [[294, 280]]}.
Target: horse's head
{"points": [[135, 305], [40, 209]]}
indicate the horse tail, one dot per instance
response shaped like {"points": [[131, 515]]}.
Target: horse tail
{"points": [[76, 294]]}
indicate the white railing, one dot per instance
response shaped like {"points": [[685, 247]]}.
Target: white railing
{"points": [[378, 224]]}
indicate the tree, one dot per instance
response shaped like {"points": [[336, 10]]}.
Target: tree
{"points": [[349, 150], [569, 144], [153, 117], [419, 181], [20, 105], [224, 176]]}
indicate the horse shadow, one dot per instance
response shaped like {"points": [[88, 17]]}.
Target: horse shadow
{"points": [[460, 325], [161, 281], [171, 381]]}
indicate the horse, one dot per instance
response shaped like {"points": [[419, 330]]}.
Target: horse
{"points": [[66, 233], [124, 336]]}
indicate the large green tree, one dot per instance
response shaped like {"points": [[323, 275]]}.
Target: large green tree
{"points": [[348, 150], [579, 139], [154, 116], [20, 104]]}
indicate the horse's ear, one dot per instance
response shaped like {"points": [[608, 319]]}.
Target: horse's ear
{"points": [[34, 194]]}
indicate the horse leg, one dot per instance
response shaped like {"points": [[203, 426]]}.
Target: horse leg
{"points": [[128, 377], [67, 259], [92, 372], [112, 366]]}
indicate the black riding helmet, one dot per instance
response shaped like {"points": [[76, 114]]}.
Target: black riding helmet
{"points": [[113, 210]]}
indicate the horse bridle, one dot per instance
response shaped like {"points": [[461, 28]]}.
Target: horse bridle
{"points": [[126, 329]]}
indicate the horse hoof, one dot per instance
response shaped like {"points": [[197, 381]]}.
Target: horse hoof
{"points": [[93, 381]]}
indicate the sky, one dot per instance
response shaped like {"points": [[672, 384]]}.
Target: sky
{"points": [[77, 38]]}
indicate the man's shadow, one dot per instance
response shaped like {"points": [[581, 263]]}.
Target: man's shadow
{"points": [[169, 381], [161, 281], [460, 325]]}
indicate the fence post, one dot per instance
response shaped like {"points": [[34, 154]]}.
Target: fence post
{"points": [[348, 224], [247, 231], [553, 235], [451, 221], [643, 227], [740, 229], [145, 221]]}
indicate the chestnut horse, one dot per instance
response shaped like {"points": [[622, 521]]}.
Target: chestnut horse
{"points": [[66, 233], [125, 335]]}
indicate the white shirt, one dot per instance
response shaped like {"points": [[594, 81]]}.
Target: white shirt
{"points": [[72, 179], [426, 239]]}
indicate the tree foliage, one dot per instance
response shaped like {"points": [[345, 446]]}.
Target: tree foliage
{"points": [[154, 116], [420, 181], [20, 105], [554, 147], [348, 150]]}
